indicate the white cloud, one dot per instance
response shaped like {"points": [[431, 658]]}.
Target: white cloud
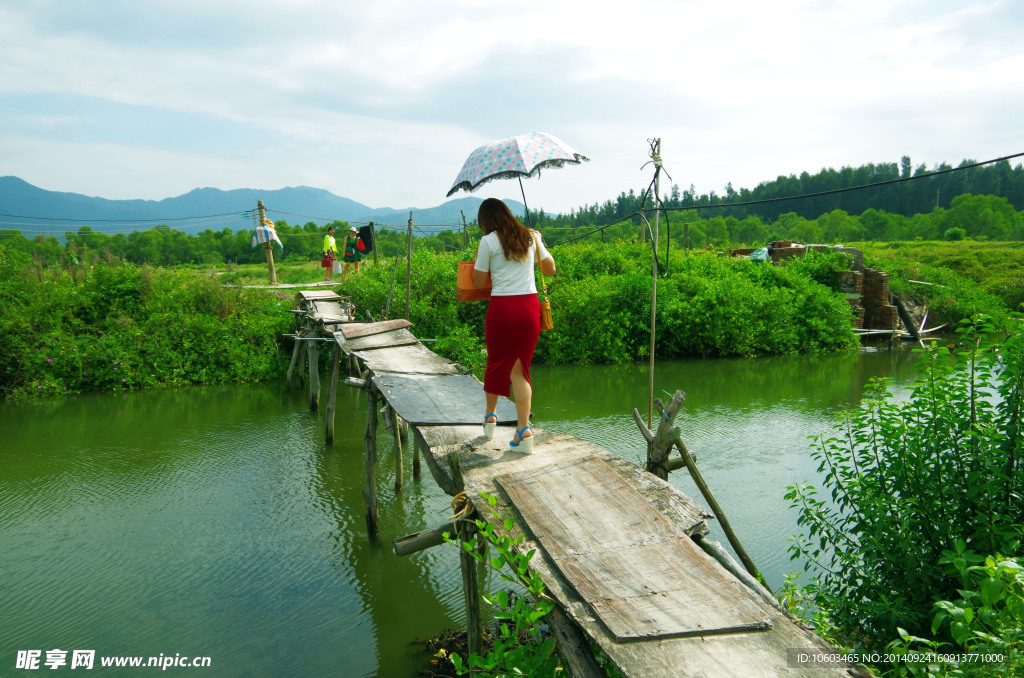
{"points": [[381, 102]]}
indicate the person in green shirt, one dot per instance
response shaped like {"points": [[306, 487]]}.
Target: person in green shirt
{"points": [[351, 252], [330, 254]]}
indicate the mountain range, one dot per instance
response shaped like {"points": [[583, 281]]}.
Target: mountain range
{"points": [[31, 209]]}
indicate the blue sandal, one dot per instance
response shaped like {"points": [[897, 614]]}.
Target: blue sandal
{"points": [[489, 425], [525, 443]]}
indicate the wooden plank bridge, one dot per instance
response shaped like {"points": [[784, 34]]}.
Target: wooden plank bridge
{"points": [[622, 552]]}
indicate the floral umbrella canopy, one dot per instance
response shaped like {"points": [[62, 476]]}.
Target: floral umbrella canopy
{"points": [[513, 158]]}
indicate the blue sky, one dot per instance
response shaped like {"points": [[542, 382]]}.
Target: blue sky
{"points": [[381, 102]]}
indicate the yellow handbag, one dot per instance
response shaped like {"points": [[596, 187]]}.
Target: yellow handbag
{"points": [[546, 321]]}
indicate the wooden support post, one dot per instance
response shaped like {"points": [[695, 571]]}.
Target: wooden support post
{"points": [[467, 531], [398, 448], [416, 457], [474, 618], [266, 245], [313, 359], [659, 446], [370, 440], [295, 359], [698, 480], [422, 540], [332, 392], [573, 646]]}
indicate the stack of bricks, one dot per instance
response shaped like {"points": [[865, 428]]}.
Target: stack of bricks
{"points": [[786, 249], [879, 314], [852, 285]]}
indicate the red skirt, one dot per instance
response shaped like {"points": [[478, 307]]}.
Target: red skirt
{"points": [[510, 332]]}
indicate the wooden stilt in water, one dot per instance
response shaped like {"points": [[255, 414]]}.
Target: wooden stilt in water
{"points": [[573, 646], [398, 449], [466, 531], [416, 457], [370, 440], [332, 393], [313, 359], [295, 359], [474, 619]]}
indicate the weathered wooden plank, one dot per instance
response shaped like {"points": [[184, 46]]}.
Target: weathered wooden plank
{"points": [[758, 654], [365, 329], [330, 312], [438, 399], [623, 556], [481, 460], [402, 337], [410, 359], [312, 295]]}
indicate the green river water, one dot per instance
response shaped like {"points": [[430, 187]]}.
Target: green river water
{"points": [[214, 522]]}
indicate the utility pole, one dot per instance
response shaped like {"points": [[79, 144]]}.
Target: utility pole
{"points": [[266, 245], [408, 272]]}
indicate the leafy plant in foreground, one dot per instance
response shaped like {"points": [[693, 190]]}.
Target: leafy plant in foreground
{"points": [[519, 647], [986, 623], [909, 480]]}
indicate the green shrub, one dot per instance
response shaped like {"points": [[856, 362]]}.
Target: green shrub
{"points": [[601, 302], [121, 327], [907, 481]]}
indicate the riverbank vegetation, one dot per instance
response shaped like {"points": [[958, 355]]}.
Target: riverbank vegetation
{"points": [[917, 546], [601, 300], [81, 328], [170, 326]]}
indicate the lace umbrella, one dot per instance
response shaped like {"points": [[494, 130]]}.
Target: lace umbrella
{"points": [[516, 157]]}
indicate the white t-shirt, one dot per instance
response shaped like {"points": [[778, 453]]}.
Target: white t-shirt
{"points": [[508, 278]]}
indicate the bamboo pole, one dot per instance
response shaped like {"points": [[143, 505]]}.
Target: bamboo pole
{"points": [[416, 457], [266, 245], [332, 392], [655, 152], [313, 360], [370, 442]]}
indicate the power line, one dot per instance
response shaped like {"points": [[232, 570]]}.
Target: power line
{"points": [[848, 189], [765, 201]]}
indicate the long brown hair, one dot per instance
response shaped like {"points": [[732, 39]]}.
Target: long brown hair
{"points": [[515, 238]]}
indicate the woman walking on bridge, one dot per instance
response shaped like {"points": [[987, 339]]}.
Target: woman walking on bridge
{"points": [[507, 251]]}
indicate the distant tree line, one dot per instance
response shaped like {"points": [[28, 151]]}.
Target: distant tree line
{"points": [[906, 198], [978, 203]]}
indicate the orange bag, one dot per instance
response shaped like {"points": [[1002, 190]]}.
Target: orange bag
{"points": [[465, 290]]}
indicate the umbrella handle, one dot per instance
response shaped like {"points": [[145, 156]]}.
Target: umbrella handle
{"points": [[528, 219]]}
